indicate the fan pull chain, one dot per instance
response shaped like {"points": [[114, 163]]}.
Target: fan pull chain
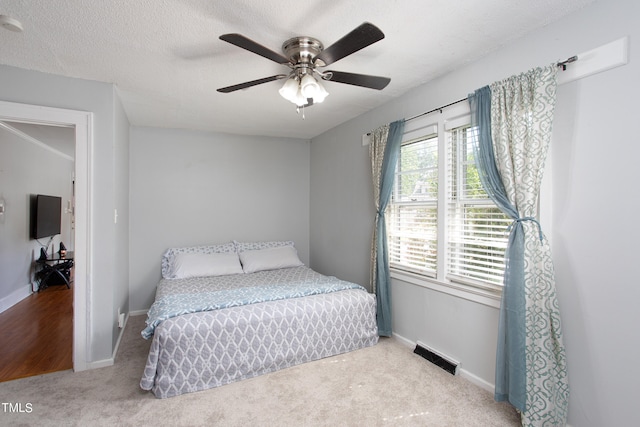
{"points": [[298, 111]]}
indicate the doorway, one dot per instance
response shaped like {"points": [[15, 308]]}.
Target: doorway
{"points": [[82, 122], [36, 321]]}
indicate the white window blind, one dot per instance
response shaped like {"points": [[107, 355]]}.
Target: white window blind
{"points": [[476, 232], [412, 226]]}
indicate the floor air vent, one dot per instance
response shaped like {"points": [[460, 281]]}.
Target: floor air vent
{"points": [[445, 363]]}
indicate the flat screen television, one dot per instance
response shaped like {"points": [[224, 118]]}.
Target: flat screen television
{"points": [[46, 216]]}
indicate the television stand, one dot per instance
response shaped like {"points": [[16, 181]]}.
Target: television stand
{"points": [[54, 270]]}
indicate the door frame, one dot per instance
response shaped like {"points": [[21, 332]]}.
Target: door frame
{"points": [[82, 122]]}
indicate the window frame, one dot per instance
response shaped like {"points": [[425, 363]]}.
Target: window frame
{"points": [[426, 134], [443, 121]]}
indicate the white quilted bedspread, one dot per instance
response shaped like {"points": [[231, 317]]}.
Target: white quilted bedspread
{"points": [[207, 349]]}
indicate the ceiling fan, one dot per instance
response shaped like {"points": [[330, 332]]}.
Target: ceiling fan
{"points": [[304, 55]]}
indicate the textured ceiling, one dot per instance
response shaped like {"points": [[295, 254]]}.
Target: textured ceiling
{"points": [[166, 60]]}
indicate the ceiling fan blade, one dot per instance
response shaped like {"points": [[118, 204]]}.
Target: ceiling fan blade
{"points": [[251, 83], [363, 36], [248, 44], [372, 82]]}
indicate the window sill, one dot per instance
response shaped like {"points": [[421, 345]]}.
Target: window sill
{"points": [[470, 293]]}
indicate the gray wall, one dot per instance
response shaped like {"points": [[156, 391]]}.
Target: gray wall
{"points": [[593, 205], [31, 87], [121, 204], [195, 188], [27, 168]]}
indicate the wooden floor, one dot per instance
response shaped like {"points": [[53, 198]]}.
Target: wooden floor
{"points": [[36, 335]]}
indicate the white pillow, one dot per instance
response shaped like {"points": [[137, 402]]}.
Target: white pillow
{"points": [[199, 264], [254, 246], [170, 254], [269, 259]]}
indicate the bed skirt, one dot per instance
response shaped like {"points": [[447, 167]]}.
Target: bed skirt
{"points": [[199, 351]]}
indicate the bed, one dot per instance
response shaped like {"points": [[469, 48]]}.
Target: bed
{"points": [[225, 313]]}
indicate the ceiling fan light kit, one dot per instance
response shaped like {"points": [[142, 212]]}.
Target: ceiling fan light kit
{"points": [[309, 86], [303, 54], [303, 91]]}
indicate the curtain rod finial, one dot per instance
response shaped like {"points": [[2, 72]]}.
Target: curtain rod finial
{"points": [[564, 63]]}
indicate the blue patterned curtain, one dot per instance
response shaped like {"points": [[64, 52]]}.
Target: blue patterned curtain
{"points": [[383, 151], [514, 119]]}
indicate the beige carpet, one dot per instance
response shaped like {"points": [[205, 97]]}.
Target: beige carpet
{"points": [[384, 385]]}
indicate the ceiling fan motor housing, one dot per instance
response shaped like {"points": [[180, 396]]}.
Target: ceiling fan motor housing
{"points": [[302, 52]]}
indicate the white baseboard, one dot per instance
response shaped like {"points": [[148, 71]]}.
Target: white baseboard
{"points": [[138, 312], [15, 297], [100, 363], [115, 349], [112, 360], [404, 341], [473, 379]]}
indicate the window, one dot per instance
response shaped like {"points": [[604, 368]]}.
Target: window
{"points": [[477, 237], [441, 225], [412, 232]]}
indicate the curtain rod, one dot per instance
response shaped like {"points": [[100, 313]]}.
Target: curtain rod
{"points": [[562, 64], [436, 109]]}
